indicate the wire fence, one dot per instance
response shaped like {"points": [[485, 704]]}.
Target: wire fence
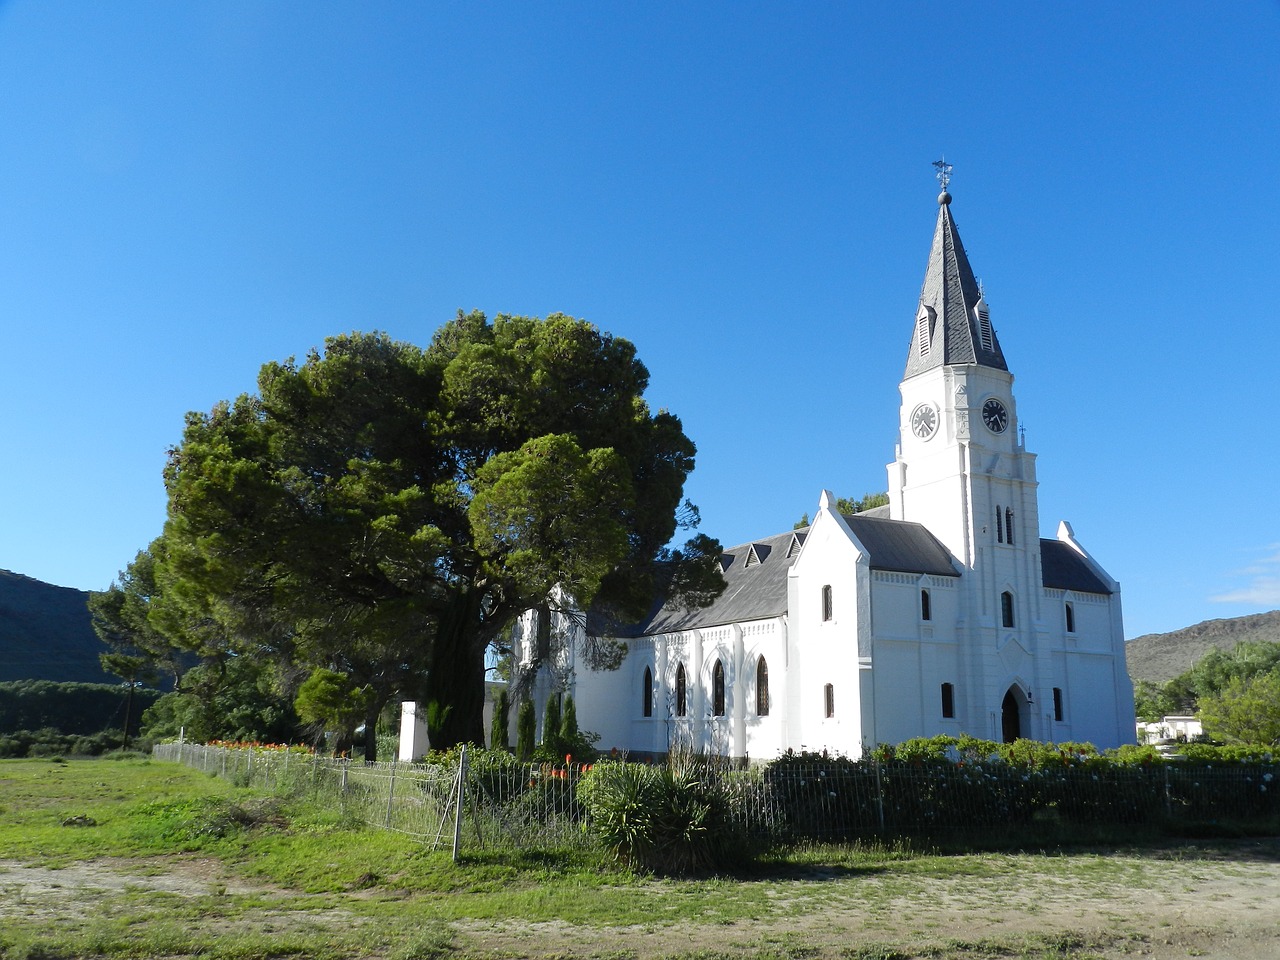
{"points": [[491, 800]]}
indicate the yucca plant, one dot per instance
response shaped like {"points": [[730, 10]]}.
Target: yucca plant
{"points": [[664, 819]]}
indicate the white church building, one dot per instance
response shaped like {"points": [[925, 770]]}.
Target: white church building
{"points": [[942, 613]]}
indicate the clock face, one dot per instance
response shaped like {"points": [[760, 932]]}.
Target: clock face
{"points": [[924, 420], [995, 416]]}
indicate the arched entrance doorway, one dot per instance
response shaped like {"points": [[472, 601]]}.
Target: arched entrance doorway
{"points": [[1011, 717]]}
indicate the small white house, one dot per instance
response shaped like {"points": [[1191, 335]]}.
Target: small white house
{"points": [[943, 613]]}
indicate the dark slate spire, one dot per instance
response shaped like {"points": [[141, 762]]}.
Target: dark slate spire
{"points": [[953, 325]]}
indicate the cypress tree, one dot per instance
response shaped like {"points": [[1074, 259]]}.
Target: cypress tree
{"points": [[551, 726], [526, 730], [569, 726], [499, 739]]}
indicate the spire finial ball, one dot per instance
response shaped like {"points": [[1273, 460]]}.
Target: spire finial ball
{"points": [[944, 199]]}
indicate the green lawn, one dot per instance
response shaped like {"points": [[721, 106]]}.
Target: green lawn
{"points": [[134, 858]]}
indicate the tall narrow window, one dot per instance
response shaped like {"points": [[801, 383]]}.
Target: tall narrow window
{"points": [[1006, 608], [717, 689], [543, 648], [1057, 704], [826, 602], [1070, 611], [682, 692], [999, 525], [948, 701], [762, 688], [829, 701], [646, 694], [926, 612], [1008, 526]]}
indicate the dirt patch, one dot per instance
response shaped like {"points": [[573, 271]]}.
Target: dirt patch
{"points": [[1222, 906]]}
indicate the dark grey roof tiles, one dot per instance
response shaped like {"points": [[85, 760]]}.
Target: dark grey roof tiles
{"points": [[757, 589], [1064, 569], [752, 592], [901, 546], [951, 292]]}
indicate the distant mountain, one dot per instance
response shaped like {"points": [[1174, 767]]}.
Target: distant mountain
{"points": [[46, 634], [1162, 656]]}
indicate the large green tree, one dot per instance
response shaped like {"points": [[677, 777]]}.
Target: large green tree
{"points": [[386, 511], [1245, 710]]}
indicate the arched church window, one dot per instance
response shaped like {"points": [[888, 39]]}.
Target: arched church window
{"points": [[717, 689], [829, 701], [999, 525], [762, 688], [1058, 712], [1006, 608], [1070, 612], [926, 612], [646, 693], [682, 692], [1008, 525], [948, 701], [826, 602]]}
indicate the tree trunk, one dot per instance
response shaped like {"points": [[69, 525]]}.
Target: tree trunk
{"points": [[455, 677], [371, 728]]}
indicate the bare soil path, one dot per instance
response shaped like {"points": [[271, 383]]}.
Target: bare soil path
{"points": [[1224, 905]]}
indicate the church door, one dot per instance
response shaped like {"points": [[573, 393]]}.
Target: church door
{"points": [[1010, 721]]}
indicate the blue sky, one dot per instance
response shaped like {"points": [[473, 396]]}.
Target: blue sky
{"points": [[742, 189]]}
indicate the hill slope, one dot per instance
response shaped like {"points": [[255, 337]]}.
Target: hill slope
{"points": [[46, 634], [1162, 656]]}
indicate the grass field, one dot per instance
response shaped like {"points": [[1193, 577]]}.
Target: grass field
{"points": [[139, 859]]}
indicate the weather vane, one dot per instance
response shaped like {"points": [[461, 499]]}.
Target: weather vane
{"points": [[944, 172]]}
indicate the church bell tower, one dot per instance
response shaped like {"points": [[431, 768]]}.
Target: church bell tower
{"points": [[961, 468]]}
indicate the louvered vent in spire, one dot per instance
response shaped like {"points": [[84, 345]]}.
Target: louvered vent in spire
{"points": [[924, 331], [983, 315]]}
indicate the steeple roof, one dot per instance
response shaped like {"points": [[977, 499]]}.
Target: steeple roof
{"points": [[953, 325]]}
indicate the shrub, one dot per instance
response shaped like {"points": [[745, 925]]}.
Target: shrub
{"points": [[669, 820]]}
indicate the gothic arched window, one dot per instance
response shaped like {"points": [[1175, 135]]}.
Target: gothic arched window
{"points": [[826, 602], [646, 693], [1070, 612], [829, 701], [682, 692], [1008, 526], [926, 611], [762, 688], [1006, 608], [717, 689]]}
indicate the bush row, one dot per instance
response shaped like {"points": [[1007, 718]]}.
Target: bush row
{"points": [[48, 742], [83, 709]]}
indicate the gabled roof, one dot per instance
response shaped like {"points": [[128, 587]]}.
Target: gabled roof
{"points": [[756, 573], [1064, 569], [949, 301]]}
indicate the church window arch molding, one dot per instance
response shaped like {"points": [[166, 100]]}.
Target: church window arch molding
{"points": [[646, 692], [826, 602], [762, 687], [682, 691]]}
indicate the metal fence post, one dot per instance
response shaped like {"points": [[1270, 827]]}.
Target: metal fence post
{"points": [[391, 793], [457, 810]]}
